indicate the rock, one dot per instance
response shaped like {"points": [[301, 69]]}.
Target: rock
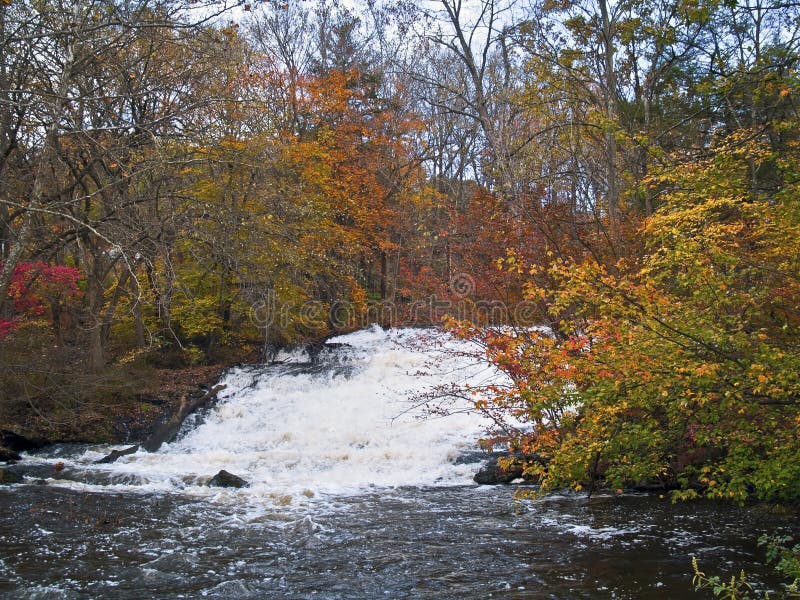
{"points": [[512, 467], [493, 474], [18, 443], [225, 479], [470, 458], [315, 350], [116, 454], [8, 477], [7, 455]]}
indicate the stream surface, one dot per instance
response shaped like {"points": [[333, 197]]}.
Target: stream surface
{"points": [[352, 495]]}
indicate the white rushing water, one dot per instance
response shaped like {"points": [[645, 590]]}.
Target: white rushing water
{"points": [[351, 426]]}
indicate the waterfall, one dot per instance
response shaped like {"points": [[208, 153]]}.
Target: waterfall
{"points": [[349, 422]]}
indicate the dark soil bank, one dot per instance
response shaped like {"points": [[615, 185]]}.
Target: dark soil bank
{"points": [[137, 406]]}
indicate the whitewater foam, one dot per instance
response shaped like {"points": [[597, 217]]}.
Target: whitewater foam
{"points": [[297, 431]]}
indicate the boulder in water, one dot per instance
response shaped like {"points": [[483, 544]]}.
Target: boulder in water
{"points": [[505, 468], [19, 443], [116, 454], [7, 455], [225, 479], [8, 477]]}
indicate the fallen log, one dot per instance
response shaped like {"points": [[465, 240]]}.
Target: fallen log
{"points": [[116, 454], [166, 432]]}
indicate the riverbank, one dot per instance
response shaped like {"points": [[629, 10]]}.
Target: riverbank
{"points": [[125, 403]]}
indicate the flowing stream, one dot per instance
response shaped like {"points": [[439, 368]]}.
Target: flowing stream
{"points": [[352, 495]]}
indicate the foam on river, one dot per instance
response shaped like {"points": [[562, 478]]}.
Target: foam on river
{"points": [[348, 425]]}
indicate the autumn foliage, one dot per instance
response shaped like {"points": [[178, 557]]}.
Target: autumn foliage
{"points": [[41, 291], [608, 208], [677, 369]]}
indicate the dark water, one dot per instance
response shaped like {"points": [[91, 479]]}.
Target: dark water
{"points": [[146, 528], [464, 542]]}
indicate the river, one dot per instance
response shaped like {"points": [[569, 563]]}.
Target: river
{"points": [[352, 495]]}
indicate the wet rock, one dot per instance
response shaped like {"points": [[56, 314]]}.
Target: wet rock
{"points": [[225, 479], [19, 443], [36, 471], [7, 455], [322, 346], [116, 454], [505, 468], [493, 474], [8, 477], [470, 458]]}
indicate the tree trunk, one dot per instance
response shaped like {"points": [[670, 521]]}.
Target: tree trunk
{"points": [[138, 325], [138, 322], [612, 185], [112, 305], [94, 293], [384, 274]]}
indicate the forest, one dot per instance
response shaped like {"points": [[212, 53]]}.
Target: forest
{"points": [[187, 183]]}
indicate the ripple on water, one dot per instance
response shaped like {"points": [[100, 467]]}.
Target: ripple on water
{"points": [[352, 496], [404, 543]]}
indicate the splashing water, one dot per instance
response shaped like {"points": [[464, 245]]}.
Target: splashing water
{"points": [[352, 496], [342, 425]]}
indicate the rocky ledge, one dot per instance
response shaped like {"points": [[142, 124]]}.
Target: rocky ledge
{"points": [[8, 476], [150, 416], [506, 467]]}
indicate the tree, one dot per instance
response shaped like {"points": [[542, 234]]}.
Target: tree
{"points": [[37, 289], [679, 369], [472, 39], [101, 106]]}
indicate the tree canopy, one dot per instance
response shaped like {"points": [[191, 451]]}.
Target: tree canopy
{"points": [[197, 178]]}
